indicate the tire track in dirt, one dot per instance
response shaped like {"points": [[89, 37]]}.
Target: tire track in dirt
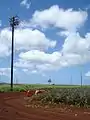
{"points": [[12, 108], [11, 102], [31, 113]]}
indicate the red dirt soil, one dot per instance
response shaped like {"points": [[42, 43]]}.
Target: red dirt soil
{"points": [[12, 107]]}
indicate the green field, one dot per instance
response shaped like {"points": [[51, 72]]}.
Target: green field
{"points": [[20, 87], [67, 94]]}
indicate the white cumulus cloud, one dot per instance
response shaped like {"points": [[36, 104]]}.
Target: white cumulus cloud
{"points": [[25, 39], [26, 3], [67, 19], [6, 71], [76, 44], [87, 74], [33, 44], [75, 50], [5, 43], [40, 56], [32, 39]]}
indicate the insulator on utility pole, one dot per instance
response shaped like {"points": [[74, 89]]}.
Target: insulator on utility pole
{"points": [[14, 21]]}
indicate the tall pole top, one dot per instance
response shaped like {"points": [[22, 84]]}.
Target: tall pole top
{"points": [[14, 21]]}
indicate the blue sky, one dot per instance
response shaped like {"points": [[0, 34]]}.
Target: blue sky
{"points": [[52, 41]]}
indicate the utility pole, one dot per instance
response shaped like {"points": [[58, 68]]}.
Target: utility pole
{"points": [[81, 79], [14, 21], [71, 80], [16, 80]]}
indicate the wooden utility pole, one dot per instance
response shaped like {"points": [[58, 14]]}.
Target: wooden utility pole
{"points": [[14, 21], [71, 80], [81, 79]]}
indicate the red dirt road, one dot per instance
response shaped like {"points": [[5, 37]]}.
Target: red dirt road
{"points": [[12, 107]]}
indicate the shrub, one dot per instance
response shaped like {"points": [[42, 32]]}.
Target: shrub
{"points": [[71, 96]]}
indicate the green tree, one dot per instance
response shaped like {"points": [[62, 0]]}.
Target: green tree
{"points": [[49, 81]]}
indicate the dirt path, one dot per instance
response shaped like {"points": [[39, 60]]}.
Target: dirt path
{"points": [[12, 108]]}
